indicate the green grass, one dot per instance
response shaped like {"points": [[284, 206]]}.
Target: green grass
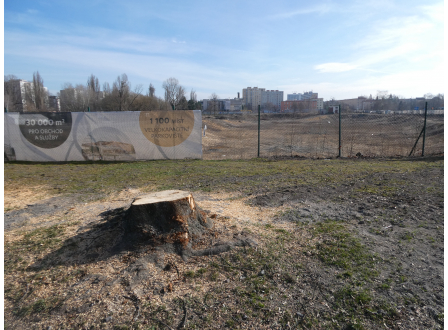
{"points": [[93, 179], [341, 249], [34, 242]]}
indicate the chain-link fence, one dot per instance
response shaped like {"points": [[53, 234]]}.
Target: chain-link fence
{"points": [[381, 133]]}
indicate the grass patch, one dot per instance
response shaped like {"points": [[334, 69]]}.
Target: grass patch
{"points": [[34, 242], [248, 176], [340, 248]]}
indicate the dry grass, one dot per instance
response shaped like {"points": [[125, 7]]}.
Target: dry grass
{"points": [[317, 136]]}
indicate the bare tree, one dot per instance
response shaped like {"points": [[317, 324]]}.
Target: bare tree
{"points": [[39, 93], [173, 92], [192, 101], [148, 103], [213, 104], [106, 89], [120, 97], [151, 91], [193, 96], [295, 107], [121, 90], [74, 99], [11, 94], [93, 87]]}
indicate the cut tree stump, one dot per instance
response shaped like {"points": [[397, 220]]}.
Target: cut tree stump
{"points": [[170, 216]]}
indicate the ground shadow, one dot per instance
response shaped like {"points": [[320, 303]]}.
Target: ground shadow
{"points": [[95, 242], [109, 237]]}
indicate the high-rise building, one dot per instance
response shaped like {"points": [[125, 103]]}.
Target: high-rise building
{"points": [[17, 93], [294, 97], [253, 97]]}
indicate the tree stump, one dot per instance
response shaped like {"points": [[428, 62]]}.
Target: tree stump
{"points": [[170, 216]]}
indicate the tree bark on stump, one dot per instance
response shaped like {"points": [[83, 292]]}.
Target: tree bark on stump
{"points": [[170, 216]]}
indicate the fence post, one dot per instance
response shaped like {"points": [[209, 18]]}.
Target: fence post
{"points": [[424, 129], [88, 109], [258, 154], [340, 145]]}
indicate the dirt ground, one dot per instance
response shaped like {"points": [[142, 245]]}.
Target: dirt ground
{"points": [[317, 136], [94, 285]]}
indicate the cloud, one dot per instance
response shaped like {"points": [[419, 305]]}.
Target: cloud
{"points": [[320, 9], [435, 12], [394, 44], [174, 40], [335, 67]]}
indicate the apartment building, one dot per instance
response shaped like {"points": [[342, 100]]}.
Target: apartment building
{"points": [[19, 96], [272, 99], [294, 97], [17, 93], [305, 102], [254, 96]]}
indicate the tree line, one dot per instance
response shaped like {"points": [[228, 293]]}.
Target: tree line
{"points": [[118, 96], [388, 101]]}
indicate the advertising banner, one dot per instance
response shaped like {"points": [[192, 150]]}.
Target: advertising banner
{"points": [[108, 136]]}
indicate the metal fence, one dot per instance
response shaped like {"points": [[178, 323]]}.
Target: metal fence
{"points": [[369, 134]]}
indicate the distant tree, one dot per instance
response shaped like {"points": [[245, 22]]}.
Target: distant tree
{"points": [[269, 106], [193, 96], [191, 105], [74, 99], [107, 89], [39, 95], [93, 87], [149, 103], [192, 101], [174, 93], [121, 97], [10, 95], [213, 104], [435, 102], [183, 104], [151, 91], [295, 107], [120, 89]]}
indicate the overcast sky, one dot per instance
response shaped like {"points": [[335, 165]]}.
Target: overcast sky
{"points": [[340, 49]]}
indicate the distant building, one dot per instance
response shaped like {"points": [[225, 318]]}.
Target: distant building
{"points": [[254, 97], [220, 105], [19, 96], [18, 93], [359, 104], [54, 103], [299, 106], [333, 109], [294, 97], [309, 95], [271, 99], [306, 102]]}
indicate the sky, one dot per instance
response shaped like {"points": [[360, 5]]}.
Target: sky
{"points": [[341, 49]]}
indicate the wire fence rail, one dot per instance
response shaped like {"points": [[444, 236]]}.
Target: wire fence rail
{"points": [[381, 133]]}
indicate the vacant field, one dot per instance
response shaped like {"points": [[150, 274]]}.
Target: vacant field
{"points": [[317, 136], [341, 244]]}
